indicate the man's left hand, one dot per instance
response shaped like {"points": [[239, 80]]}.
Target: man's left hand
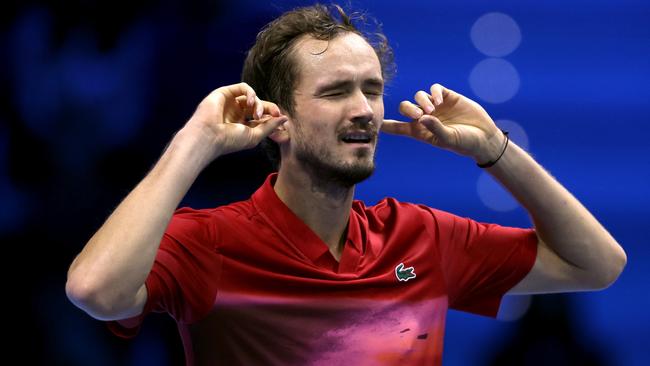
{"points": [[451, 121]]}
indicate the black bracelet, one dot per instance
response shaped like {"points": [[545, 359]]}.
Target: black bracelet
{"points": [[491, 163]]}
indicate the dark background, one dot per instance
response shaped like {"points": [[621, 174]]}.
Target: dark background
{"points": [[91, 91]]}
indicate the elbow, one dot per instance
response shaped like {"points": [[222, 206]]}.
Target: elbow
{"points": [[89, 298], [612, 267]]}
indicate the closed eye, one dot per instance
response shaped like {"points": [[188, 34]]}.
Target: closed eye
{"points": [[332, 95], [374, 93], [341, 93]]}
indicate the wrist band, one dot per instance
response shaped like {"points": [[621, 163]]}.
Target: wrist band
{"points": [[491, 163]]}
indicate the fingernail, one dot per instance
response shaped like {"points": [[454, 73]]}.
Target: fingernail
{"points": [[428, 109], [438, 100], [418, 113]]}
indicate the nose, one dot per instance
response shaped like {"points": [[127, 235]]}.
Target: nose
{"points": [[360, 109]]}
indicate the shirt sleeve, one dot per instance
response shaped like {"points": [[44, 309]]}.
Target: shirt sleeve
{"points": [[480, 262], [185, 274]]}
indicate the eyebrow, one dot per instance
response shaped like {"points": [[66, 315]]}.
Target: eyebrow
{"points": [[347, 83]]}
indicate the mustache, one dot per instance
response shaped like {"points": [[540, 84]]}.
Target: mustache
{"points": [[370, 129]]}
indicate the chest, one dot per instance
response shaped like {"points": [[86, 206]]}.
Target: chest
{"points": [[381, 266]]}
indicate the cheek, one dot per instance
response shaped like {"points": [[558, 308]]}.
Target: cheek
{"points": [[379, 108], [320, 124], [311, 132]]}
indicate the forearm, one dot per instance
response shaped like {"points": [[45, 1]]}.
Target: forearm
{"points": [[114, 264], [575, 252], [561, 221]]}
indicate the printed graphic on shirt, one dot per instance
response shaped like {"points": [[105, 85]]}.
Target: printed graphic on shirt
{"points": [[404, 274], [261, 330]]}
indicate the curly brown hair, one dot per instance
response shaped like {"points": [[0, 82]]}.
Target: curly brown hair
{"points": [[270, 69]]}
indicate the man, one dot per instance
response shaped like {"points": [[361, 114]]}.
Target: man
{"points": [[301, 274]]}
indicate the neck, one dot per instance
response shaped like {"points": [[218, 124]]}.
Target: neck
{"points": [[323, 206]]}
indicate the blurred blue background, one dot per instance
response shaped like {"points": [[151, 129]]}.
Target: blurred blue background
{"points": [[92, 91]]}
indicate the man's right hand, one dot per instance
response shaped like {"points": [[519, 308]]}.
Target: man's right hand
{"points": [[107, 279], [233, 118]]}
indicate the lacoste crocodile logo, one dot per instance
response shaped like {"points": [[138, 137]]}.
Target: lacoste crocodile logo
{"points": [[404, 274]]}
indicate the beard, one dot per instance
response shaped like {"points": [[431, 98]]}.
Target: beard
{"points": [[325, 168]]}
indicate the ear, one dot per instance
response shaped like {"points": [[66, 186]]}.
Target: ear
{"points": [[281, 133]]}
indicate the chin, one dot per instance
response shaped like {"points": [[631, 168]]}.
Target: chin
{"points": [[349, 175], [343, 172]]}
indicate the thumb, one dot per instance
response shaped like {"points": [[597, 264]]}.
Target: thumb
{"points": [[266, 127], [436, 127], [394, 127]]}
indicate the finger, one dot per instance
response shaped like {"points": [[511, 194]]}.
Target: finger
{"points": [[268, 108], [394, 127], [220, 95], [433, 124], [236, 90], [424, 100], [271, 108], [410, 110], [437, 93], [242, 102], [258, 108], [267, 126], [249, 114]]}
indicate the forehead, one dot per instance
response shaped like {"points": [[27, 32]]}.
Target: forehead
{"points": [[346, 56]]}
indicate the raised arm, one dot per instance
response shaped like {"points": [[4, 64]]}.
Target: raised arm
{"points": [[574, 251], [107, 278]]}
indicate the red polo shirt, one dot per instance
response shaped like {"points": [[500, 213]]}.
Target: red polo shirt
{"points": [[251, 284]]}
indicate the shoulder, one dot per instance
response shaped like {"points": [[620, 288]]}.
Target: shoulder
{"points": [[210, 215], [391, 207], [392, 212], [207, 222]]}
